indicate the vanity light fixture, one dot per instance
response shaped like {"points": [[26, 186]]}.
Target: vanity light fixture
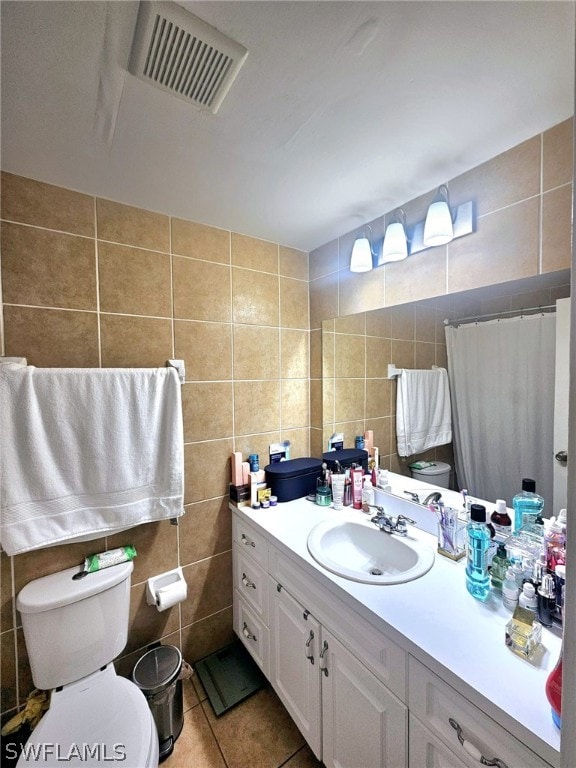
{"points": [[395, 247], [362, 253], [438, 227], [442, 225]]}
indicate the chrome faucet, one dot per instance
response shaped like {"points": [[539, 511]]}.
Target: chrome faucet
{"points": [[391, 524], [432, 498]]}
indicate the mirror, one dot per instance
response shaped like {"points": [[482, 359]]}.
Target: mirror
{"points": [[356, 349]]}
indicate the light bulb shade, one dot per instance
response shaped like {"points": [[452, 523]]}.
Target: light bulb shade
{"points": [[361, 259], [438, 228], [395, 246]]}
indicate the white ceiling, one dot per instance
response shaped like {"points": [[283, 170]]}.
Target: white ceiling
{"points": [[342, 111]]}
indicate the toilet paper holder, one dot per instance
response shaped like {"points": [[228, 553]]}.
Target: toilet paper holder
{"points": [[170, 582]]}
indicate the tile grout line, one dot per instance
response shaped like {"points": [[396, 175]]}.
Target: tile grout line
{"points": [[96, 255]]}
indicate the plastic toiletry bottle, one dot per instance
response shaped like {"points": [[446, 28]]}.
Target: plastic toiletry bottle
{"points": [[510, 591], [560, 581], [375, 466], [527, 504], [527, 598], [555, 540], [518, 571], [356, 475], [477, 578], [554, 691], [500, 519], [347, 489], [367, 492], [546, 596], [499, 567]]}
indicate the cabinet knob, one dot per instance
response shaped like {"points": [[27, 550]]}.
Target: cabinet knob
{"points": [[245, 540], [473, 751], [562, 457]]}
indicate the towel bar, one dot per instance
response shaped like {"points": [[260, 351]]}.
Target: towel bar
{"points": [[393, 371], [180, 367]]}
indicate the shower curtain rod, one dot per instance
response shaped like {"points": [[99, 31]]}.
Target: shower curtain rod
{"points": [[474, 318]]}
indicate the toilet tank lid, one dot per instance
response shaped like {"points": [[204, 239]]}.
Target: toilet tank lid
{"points": [[60, 589], [438, 468]]}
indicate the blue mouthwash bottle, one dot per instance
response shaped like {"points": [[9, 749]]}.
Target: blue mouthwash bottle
{"points": [[527, 504], [477, 578]]}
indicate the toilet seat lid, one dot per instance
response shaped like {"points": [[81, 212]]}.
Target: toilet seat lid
{"points": [[101, 720]]}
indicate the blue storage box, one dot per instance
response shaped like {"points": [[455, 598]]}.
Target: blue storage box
{"points": [[346, 457], [293, 478]]}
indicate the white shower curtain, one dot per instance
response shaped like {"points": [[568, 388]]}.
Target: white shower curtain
{"points": [[501, 377]]}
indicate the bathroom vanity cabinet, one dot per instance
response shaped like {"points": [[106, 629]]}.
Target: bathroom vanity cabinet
{"points": [[362, 694]]}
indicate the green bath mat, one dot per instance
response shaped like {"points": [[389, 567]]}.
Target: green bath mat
{"points": [[229, 676]]}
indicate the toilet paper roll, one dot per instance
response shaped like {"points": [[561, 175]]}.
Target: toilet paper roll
{"points": [[166, 597]]}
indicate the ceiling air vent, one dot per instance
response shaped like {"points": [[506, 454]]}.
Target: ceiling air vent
{"points": [[179, 53]]}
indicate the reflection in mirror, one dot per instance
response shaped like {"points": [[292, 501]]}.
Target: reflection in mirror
{"points": [[356, 351]]}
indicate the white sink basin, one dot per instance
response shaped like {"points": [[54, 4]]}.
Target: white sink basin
{"points": [[363, 553]]}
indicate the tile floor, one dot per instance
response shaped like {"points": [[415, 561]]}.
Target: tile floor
{"points": [[257, 733]]}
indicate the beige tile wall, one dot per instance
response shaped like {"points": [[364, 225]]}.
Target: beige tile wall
{"points": [[91, 282], [523, 204]]}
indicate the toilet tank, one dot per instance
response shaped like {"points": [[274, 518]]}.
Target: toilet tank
{"points": [[73, 627]]}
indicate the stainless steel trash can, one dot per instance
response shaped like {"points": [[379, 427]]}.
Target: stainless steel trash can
{"points": [[157, 674]]}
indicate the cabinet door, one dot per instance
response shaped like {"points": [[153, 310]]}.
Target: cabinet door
{"points": [[426, 751], [251, 581], [294, 667], [364, 724], [252, 631]]}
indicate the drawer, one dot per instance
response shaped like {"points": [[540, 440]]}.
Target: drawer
{"points": [[249, 538], [251, 581], [374, 649], [426, 751], [253, 633], [435, 704]]}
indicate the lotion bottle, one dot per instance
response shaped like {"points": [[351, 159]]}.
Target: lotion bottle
{"points": [[367, 492], [356, 474], [527, 598], [510, 591]]}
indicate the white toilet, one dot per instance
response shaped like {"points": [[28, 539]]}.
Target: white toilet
{"points": [[438, 474], [73, 629]]}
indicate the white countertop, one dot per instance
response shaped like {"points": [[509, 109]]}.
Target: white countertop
{"points": [[434, 617]]}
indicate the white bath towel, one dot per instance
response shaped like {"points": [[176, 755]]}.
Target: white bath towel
{"points": [[85, 452], [423, 414]]}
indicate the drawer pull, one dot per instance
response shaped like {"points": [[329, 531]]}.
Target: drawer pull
{"points": [[323, 666], [245, 540], [310, 656], [247, 583], [474, 751], [246, 632]]}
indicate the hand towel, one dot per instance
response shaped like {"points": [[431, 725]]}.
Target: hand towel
{"points": [[423, 413], [87, 452]]}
